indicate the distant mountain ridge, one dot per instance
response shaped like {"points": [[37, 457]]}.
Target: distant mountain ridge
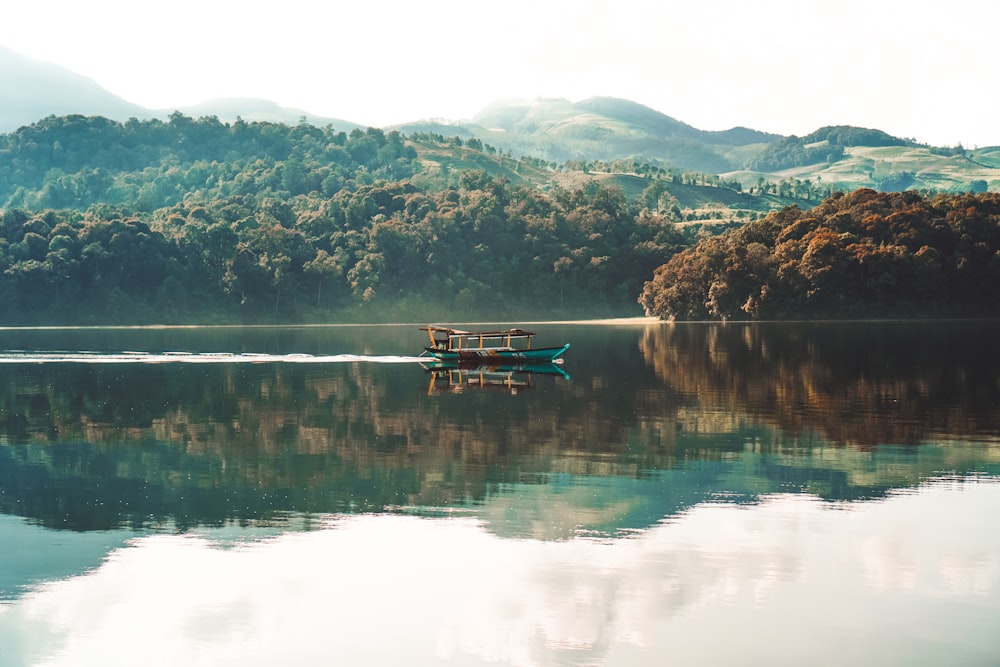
{"points": [[33, 89], [608, 128], [250, 109], [594, 130], [554, 115]]}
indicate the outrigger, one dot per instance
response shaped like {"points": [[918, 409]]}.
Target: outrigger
{"points": [[449, 344]]}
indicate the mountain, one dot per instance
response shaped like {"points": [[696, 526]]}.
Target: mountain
{"points": [[250, 109], [33, 89], [831, 158], [606, 128], [583, 134], [608, 116]]}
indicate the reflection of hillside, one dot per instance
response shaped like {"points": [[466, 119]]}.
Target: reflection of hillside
{"points": [[860, 384], [716, 412], [353, 412], [246, 441]]}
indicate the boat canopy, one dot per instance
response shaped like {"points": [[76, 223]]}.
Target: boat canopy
{"points": [[455, 339]]}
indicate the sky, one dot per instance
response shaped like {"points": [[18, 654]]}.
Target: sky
{"points": [[915, 69]]}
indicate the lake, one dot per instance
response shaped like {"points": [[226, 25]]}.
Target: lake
{"points": [[693, 494]]}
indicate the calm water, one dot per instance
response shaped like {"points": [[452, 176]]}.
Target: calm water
{"points": [[692, 494]]}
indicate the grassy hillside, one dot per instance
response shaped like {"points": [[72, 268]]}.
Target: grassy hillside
{"points": [[443, 161], [830, 159], [893, 168], [557, 130]]}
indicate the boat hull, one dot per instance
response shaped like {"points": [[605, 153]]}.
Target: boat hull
{"points": [[487, 355]]}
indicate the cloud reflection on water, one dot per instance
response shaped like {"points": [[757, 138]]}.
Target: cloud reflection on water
{"points": [[786, 579]]}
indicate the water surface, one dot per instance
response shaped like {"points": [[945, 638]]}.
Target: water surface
{"points": [[700, 494]]}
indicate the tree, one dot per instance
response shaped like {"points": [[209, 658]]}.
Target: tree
{"points": [[325, 267]]}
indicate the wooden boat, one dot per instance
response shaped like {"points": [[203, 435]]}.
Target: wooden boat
{"points": [[512, 345]]}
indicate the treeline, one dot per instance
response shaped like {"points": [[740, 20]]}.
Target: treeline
{"points": [[484, 248], [863, 254]]}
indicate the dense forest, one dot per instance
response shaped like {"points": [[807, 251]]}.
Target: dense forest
{"points": [[485, 247], [857, 255], [201, 221], [188, 220]]}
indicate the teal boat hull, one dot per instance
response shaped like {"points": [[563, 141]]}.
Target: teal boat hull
{"points": [[496, 355]]}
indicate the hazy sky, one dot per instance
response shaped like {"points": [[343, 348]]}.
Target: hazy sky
{"points": [[926, 70]]}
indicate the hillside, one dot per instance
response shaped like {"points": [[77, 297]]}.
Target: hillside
{"points": [[831, 158], [605, 129], [560, 132], [893, 169], [195, 220], [78, 162]]}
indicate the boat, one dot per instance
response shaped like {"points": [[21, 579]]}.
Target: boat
{"points": [[512, 345]]}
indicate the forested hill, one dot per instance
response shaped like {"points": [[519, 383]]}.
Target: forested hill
{"points": [[484, 249], [858, 255], [202, 221], [76, 161], [824, 145], [196, 220]]}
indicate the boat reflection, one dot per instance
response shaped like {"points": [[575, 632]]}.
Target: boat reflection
{"points": [[455, 377]]}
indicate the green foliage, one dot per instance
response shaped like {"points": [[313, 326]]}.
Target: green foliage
{"points": [[484, 248], [74, 162], [847, 135], [794, 152], [865, 254], [900, 181]]}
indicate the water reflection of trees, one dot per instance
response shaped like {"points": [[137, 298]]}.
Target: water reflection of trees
{"points": [[698, 411], [93, 446], [855, 383]]}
